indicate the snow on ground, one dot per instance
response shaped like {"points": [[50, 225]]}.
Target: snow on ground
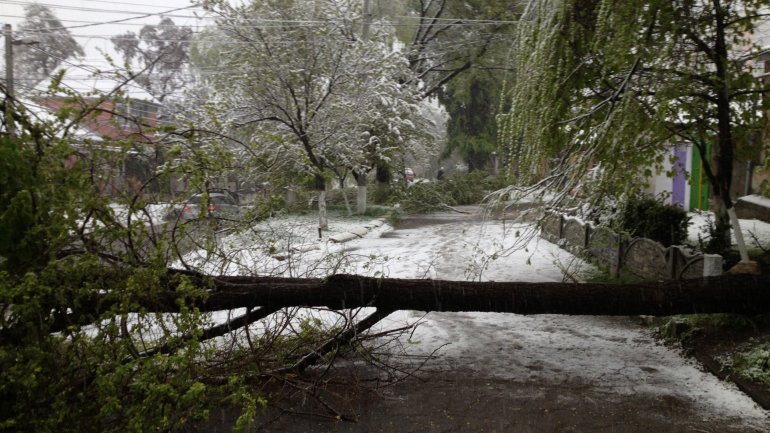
{"points": [[608, 354], [757, 199], [752, 229], [490, 251], [151, 214]]}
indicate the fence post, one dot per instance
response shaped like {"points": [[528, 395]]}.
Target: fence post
{"points": [[712, 265], [618, 247]]}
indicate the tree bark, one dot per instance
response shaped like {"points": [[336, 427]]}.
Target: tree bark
{"points": [[383, 177], [725, 145], [745, 294], [361, 189]]}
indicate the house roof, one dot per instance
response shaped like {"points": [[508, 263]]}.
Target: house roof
{"points": [[85, 79], [43, 115]]}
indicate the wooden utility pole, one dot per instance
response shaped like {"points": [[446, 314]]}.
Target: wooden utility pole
{"points": [[367, 22], [9, 122]]}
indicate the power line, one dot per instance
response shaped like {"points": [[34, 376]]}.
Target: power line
{"points": [[96, 73], [159, 6], [85, 9], [102, 22], [459, 20], [166, 13]]}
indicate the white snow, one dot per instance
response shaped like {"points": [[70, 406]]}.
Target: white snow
{"points": [[757, 199], [610, 354], [753, 230]]}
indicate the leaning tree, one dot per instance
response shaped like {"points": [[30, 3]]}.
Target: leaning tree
{"points": [[602, 90], [49, 44]]}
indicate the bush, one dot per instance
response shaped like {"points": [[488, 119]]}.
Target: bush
{"points": [[648, 217], [712, 240]]}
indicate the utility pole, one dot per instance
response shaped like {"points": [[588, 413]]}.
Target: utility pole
{"points": [[9, 122], [367, 21]]}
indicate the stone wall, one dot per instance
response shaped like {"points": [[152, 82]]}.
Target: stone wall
{"points": [[606, 247], [647, 259], [643, 257]]}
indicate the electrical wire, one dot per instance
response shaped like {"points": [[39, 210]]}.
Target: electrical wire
{"points": [[98, 75], [149, 5], [85, 9], [261, 23], [166, 13]]}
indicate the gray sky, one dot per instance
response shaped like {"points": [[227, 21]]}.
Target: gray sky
{"points": [[92, 22]]}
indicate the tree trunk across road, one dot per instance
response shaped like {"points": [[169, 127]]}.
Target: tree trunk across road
{"points": [[746, 294]]}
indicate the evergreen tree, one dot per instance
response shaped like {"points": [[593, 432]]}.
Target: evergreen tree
{"points": [[458, 49], [472, 102]]}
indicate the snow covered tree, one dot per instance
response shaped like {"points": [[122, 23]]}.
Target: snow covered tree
{"points": [[445, 38], [161, 53], [459, 49], [34, 63], [609, 87], [296, 76]]}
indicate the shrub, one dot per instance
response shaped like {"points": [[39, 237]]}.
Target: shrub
{"points": [[646, 216], [711, 239]]}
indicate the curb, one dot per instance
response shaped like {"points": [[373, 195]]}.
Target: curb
{"points": [[756, 393], [357, 232]]}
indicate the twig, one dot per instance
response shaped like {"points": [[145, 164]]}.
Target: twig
{"points": [[446, 206]]}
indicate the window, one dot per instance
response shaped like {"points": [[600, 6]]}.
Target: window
{"points": [[135, 111]]}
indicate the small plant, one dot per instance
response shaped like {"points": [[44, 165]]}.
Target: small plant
{"points": [[710, 241], [753, 363], [395, 216], [648, 217], [685, 327]]}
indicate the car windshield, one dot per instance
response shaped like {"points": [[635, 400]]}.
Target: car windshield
{"points": [[220, 199], [213, 198]]}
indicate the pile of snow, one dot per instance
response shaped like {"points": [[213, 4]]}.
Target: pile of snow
{"points": [[754, 231]]}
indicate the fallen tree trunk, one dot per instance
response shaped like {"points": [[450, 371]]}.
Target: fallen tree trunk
{"points": [[745, 294]]}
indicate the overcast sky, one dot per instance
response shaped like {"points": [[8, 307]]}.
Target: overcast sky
{"points": [[93, 22]]}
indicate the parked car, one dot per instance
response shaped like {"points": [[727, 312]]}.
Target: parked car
{"points": [[221, 205]]}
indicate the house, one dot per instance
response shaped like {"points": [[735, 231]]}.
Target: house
{"points": [[121, 109], [689, 187], [117, 111], [682, 179]]}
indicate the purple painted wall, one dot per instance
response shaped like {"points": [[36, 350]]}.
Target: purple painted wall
{"points": [[679, 186]]}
